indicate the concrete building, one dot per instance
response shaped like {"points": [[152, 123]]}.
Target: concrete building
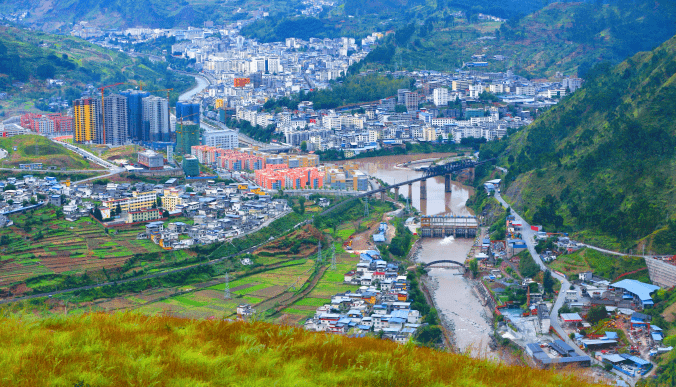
{"points": [[440, 96], [187, 136], [190, 165], [188, 111], [115, 125], [156, 119], [224, 139], [87, 120], [151, 159], [138, 201], [135, 113], [143, 215]]}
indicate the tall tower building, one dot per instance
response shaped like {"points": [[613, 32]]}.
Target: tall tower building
{"points": [[156, 119], [135, 112], [189, 111], [86, 120], [116, 122], [187, 136]]}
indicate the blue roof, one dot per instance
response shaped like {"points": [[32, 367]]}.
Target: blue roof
{"points": [[397, 320], [657, 336], [402, 313], [611, 335], [640, 289], [378, 238], [635, 359]]}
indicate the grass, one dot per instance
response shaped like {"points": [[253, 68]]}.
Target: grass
{"points": [[134, 350], [48, 153], [603, 265]]}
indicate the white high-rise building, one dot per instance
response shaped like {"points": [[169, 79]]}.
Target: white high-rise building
{"points": [[440, 96], [156, 118]]}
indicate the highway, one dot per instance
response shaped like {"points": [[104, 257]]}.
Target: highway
{"points": [[112, 168]]}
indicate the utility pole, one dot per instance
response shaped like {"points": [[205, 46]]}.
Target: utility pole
{"points": [[333, 256], [319, 251], [226, 294]]}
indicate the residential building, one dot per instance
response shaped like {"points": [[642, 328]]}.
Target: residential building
{"points": [[156, 119], [115, 124], [187, 136], [138, 201], [87, 119], [190, 165], [440, 96], [171, 199], [188, 111], [135, 113]]}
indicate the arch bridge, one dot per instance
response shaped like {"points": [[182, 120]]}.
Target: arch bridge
{"points": [[445, 263]]}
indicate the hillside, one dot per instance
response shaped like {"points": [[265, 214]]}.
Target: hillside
{"points": [[39, 149], [28, 58], [565, 37], [130, 349], [60, 15], [601, 162]]}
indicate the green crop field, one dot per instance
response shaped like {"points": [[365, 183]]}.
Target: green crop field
{"points": [[38, 149]]}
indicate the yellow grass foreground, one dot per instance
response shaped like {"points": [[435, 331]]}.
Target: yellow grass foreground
{"points": [[134, 350]]}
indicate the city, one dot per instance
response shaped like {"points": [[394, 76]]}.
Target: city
{"points": [[357, 191]]}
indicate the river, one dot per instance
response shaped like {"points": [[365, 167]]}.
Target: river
{"points": [[202, 83], [453, 296]]}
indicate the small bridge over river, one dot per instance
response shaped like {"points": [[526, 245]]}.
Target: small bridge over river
{"points": [[445, 264]]}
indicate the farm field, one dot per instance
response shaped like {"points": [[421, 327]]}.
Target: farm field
{"points": [[39, 244]]}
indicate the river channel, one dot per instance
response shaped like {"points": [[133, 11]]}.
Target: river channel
{"points": [[453, 296]]}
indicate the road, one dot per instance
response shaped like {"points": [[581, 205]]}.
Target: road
{"points": [[528, 236], [112, 168]]}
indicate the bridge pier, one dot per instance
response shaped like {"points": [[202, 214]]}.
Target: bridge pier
{"points": [[447, 183], [410, 193], [396, 194], [423, 189], [383, 195]]}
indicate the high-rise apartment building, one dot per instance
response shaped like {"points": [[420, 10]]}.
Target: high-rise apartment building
{"points": [[87, 120], [115, 127], [135, 112], [188, 111], [156, 119], [187, 135]]}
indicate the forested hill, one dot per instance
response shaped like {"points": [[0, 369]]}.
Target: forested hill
{"points": [[602, 161]]}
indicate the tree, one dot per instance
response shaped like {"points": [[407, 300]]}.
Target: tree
{"points": [[118, 209], [33, 200], [97, 214], [303, 146], [548, 282], [165, 214], [159, 202], [596, 314], [400, 109], [429, 335], [474, 267]]}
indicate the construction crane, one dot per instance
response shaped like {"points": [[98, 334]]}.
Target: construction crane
{"points": [[103, 110]]}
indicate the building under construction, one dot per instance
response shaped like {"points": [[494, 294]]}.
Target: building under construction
{"points": [[442, 226]]}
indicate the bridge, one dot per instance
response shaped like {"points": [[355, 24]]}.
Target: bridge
{"points": [[445, 263], [432, 171]]}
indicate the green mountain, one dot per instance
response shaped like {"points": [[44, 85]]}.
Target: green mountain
{"points": [[60, 15], [566, 37], [601, 163], [27, 58]]}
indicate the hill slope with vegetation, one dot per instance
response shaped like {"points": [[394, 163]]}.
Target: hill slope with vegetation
{"points": [[130, 349], [28, 58], [601, 162], [565, 37]]}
